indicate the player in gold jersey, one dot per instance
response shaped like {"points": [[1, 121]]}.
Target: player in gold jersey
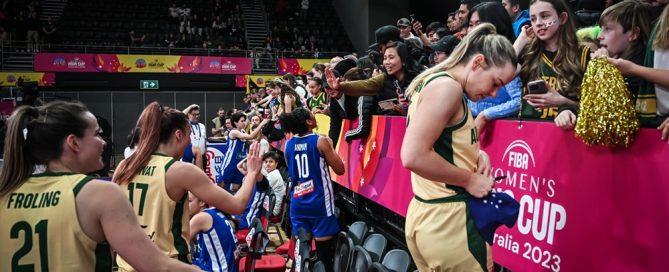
{"points": [[443, 156], [62, 220], [157, 184]]}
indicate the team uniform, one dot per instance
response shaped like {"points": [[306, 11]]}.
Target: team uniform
{"points": [[216, 246], [198, 137], [254, 206], [165, 221], [312, 200], [548, 74], [317, 101], [235, 153], [40, 230], [440, 232]]}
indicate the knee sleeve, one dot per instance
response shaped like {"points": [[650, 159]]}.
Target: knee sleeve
{"points": [[326, 251]]}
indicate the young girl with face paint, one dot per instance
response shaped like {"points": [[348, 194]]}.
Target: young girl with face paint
{"points": [[549, 51]]}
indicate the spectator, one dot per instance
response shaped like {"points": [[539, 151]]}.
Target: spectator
{"points": [[452, 23], [291, 80], [443, 48], [463, 14], [517, 9], [49, 30], [33, 28], [219, 123], [400, 69], [198, 138], [552, 33], [318, 99], [625, 30], [271, 172], [305, 9], [656, 73], [173, 12], [136, 39], [405, 33]]}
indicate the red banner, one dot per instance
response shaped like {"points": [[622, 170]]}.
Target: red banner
{"points": [[582, 208], [115, 63]]}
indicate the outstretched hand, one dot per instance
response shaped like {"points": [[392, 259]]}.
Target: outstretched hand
{"points": [[253, 160], [333, 81]]}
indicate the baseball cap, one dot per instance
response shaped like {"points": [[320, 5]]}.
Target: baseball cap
{"points": [[343, 66], [445, 44], [403, 22], [385, 34], [492, 211]]}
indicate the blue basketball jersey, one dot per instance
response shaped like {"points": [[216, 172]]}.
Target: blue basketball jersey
{"points": [[253, 208], [311, 186], [235, 153], [217, 246]]}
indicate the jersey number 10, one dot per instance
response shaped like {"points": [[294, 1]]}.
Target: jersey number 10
{"points": [[302, 164]]}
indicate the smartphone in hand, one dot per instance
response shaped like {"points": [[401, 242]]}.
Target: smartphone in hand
{"points": [[537, 87]]}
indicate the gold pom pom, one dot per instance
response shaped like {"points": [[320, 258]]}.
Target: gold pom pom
{"points": [[607, 113]]}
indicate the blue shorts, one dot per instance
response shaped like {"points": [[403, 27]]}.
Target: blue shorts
{"points": [[232, 175], [318, 226]]}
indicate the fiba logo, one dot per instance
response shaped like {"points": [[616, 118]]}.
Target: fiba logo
{"points": [[520, 155]]}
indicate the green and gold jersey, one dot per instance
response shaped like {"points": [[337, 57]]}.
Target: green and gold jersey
{"points": [[458, 144], [165, 221], [40, 230], [317, 101], [548, 74]]}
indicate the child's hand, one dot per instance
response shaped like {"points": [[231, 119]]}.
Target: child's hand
{"points": [[566, 120], [601, 52], [526, 33]]}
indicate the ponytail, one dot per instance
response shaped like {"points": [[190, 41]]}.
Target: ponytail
{"points": [[496, 49], [156, 124], [35, 135]]}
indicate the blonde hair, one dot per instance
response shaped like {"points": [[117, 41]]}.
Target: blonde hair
{"points": [[484, 39], [662, 34]]}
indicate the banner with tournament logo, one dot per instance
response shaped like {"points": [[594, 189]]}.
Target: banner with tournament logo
{"points": [[582, 208], [117, 63], [9, 79]]}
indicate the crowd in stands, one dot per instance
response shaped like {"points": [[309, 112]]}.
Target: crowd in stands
{"points": [[213, 24], [304, 28], [219, 26], [20, 20]]}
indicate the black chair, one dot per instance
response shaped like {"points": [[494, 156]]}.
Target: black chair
{"points": [[319, 267], [343, 252], [357, 232], [396, 260], [362, 261], [375, 244]]}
